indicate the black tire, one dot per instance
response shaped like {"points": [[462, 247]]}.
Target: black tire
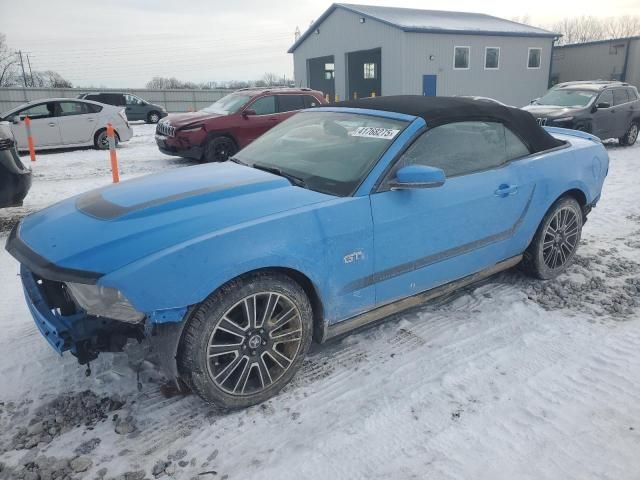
{"points": [[100, 140], [153, 117], [213, 360], [556, 241], [219, 149], [631, 136]]}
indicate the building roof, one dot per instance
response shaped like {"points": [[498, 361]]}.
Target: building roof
{"points": [[433, 21], [441, 110], [598, 42]]}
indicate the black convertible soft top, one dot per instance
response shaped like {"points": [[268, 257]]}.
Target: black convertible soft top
{"points": [[440, 110]]}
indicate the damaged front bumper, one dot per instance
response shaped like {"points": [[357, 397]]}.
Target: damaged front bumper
{"points": [[68, 327]]}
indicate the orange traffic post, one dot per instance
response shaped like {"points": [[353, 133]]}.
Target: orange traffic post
{"points": [[32, 150], [112, 153]]}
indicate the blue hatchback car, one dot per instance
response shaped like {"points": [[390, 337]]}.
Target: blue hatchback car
{"points": [[335, 219]]}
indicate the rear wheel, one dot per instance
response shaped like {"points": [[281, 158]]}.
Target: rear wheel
{"points": [[247, 340], [219, 149], [556, 241], [101, 141], [631, 136]]}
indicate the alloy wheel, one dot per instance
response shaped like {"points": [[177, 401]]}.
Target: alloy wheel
{"points": [[222, 150], [633, 134], [254, 343], [560, 238], [153, 118]]}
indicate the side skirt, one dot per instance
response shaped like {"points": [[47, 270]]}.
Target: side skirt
{"points": [[372, 316]]}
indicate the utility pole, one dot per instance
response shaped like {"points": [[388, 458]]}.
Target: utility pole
{"points": [[24, 75], [30, 72]]}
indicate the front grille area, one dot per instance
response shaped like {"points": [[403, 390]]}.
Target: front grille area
{"points": [[163, 128], [6, 143]]}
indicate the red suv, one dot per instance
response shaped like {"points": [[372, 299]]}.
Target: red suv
{"points": [[220, 130]]}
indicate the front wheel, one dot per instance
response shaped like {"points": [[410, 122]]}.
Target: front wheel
{"points": [[247, 340], [631, 136], [556, 240], [219, 149], [153, 117]]}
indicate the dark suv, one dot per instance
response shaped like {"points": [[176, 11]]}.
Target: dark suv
{"points": [[603, 108], [135, 107], [220, 130], [15, 178]]}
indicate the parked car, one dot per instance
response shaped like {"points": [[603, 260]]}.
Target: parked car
{"points": [[233, 122], [135, 107], [66, 122], [603, 108], [334, 219], [15, 178]]}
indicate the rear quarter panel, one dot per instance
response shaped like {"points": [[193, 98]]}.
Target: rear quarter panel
{"points": [[580, 166]]}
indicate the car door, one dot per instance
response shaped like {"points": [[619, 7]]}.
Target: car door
{"points": [[603, 118], [623, 112], [77, 122], [427, 237], [44, 126], [288, 104], [263, 118], [135, 108]]}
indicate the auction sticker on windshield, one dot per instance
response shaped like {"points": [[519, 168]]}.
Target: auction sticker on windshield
{"points": [[374, 132]]}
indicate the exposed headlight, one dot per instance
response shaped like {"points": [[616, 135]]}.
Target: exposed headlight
{"points": [[563, 119], [191, 129], [104, 302]]}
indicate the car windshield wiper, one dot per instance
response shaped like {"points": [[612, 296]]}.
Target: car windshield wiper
{"points": [[237, 160], [299, 182]]}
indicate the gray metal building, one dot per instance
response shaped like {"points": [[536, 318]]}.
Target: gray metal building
{"points": [[361, 50], [617, 59]]}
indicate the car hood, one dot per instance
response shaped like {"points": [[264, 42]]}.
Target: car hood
{"points": [[551, 111], [106, 229], [180, 120]]}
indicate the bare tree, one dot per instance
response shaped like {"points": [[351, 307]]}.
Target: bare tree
{"points": [[8, 63], [587, 29], [50, 79], [270, 79]]}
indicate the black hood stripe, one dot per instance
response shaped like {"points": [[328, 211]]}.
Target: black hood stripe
{"points": [[95, 205]]}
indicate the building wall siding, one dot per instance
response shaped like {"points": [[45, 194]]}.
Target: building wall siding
{"points": [[405, 59], [600, 61], [513, 83]]}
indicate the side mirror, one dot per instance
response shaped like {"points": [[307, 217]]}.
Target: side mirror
{"points": [[15, 119], [603, 105], [248, 112], [417, 176], [534, 101]]}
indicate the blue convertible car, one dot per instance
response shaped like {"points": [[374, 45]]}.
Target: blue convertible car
{"points": [[334, 219]]}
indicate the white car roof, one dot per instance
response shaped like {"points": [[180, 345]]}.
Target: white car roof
{"points": [[59, 99]]}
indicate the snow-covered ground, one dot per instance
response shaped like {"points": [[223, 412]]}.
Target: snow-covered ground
{"points": [[511, 379]]}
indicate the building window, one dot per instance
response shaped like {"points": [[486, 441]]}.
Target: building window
{"points": [[533, 60], [492, 58], [461, 58], [369, 70], [329, 71]]}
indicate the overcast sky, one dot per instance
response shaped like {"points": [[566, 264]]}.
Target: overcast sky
{"points": [[123, 43]]}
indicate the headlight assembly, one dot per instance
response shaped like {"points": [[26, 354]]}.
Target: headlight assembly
{"points": [[104, 302], [191, 129]]}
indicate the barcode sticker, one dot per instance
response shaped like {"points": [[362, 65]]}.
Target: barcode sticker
{"points": [[374, 132]]}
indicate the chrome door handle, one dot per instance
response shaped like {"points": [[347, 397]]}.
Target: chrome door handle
{"points": [[52, 124], [90, 120]]}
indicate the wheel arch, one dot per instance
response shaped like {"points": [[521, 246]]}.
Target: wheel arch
{"points": [[307, 285]]}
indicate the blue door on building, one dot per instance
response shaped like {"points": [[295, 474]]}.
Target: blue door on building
{"points": [[429, 83]]}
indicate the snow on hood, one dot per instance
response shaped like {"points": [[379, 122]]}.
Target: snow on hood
{"points": [[105, 229]]}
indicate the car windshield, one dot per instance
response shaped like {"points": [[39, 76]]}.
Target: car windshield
{"points": [[228, 104], [567, 98], [329, 152]]}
